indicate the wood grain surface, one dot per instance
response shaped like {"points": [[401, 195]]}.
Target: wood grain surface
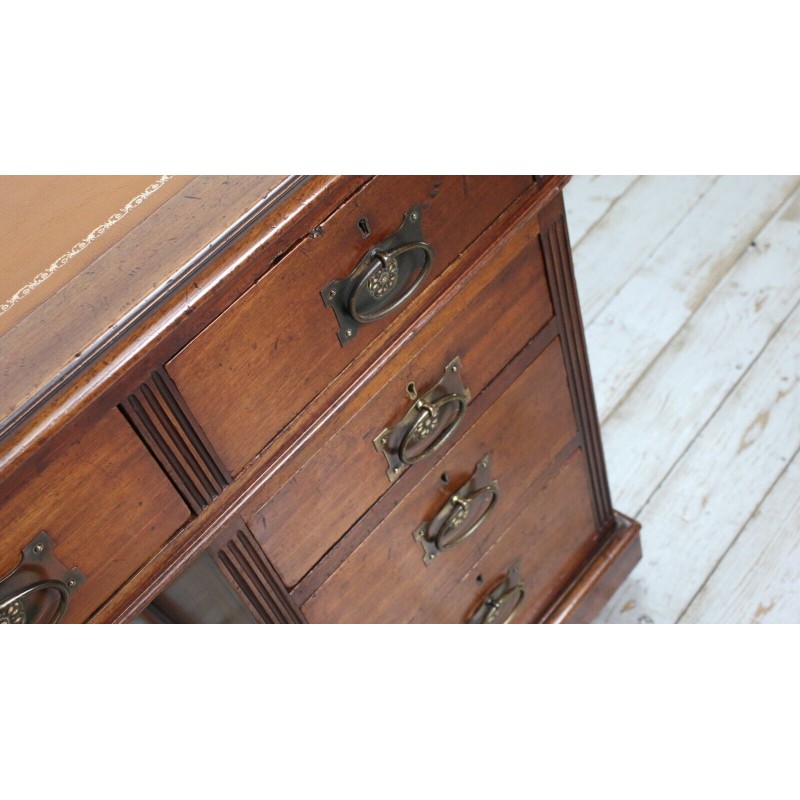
{"points": [[590, 198], [614, 249], [254, 254], [695, 371], [702, 504], [758, 580], [545, 544], [385, 580], [600, 578], [669, 288], [704, 432], [497, 312], [275, 349], [501, 244], [105, 503]]}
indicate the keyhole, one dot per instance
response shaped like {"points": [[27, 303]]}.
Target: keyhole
{"points": [[411, 390], [363, 226], [444, 478]]}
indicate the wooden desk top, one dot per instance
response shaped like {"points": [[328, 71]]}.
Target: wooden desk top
{"points": [[84, 258]]}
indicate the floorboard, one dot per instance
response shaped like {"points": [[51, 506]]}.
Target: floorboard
{"points": [[708, 496], [758, 580], [589, 198], [694, 341], [676, 280], [619, 243], [680, 390]]}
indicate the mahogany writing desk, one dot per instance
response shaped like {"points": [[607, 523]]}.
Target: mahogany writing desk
{"points": [[290, 399]]}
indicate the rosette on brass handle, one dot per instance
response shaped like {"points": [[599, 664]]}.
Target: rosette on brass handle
{"points": [[385, 278], [427, 425], [380, 278], [502, 603], [428, 416], [450, 526], [40, 587]]}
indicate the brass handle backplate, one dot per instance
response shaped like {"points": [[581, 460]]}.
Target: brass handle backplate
{"points": [[40, 587], [457, 520], [383, 280], [502, 603], [427, 425]]}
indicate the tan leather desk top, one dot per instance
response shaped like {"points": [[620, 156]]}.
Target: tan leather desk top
{"points": [[53, 227]]}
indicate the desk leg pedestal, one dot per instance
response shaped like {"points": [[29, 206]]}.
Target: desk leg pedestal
{"points": [[601, 577]]}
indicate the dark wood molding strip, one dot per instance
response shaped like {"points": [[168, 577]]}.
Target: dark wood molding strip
{"points": [[191, 428], [558, 262], [159, 416], [253, 578], [594, 444]]}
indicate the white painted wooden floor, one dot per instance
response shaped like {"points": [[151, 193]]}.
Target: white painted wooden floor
{"points": [[690, 290]]}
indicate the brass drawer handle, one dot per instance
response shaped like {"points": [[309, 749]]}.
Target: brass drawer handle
{"points": [[383, 280], [448, 528], [427, 425], [500, 606], [39, 573], [380, 279], [13, 610]]}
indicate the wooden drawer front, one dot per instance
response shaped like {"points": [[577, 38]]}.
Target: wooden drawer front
{"points": [[545, 546], [259, 364], [106, 505], [307, 507], [385, 580]]}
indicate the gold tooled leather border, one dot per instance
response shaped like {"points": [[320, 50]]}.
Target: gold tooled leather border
{"points": [[95, 234]]}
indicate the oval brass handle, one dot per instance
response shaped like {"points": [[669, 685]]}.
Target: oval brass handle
{"points": [[509, 601], [385, 278], [381, 277], [460, 513], [450, 527], [12, 609], [426, 424], [502, 603]]}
